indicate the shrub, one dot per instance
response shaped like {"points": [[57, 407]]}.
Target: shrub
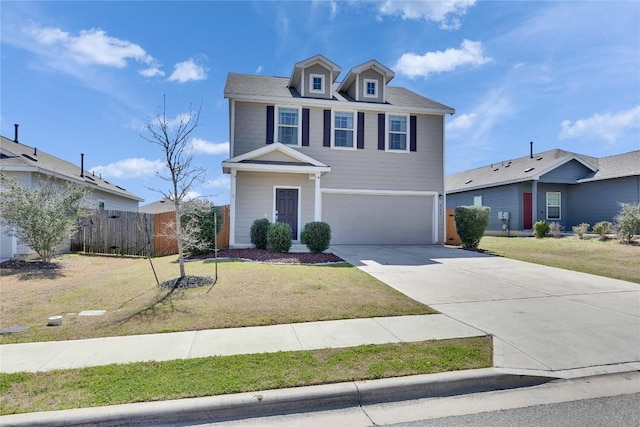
{"points": [[627, 222], [279, 237], [471, 221], [602, 228], [316, 235], [555, 228], [581, 229], [199, 229], [540, 229], [258, 233]]}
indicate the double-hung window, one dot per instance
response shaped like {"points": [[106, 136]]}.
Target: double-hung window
{"points": [[553, 205], [343, 129], [398, 134], [288, 129]]}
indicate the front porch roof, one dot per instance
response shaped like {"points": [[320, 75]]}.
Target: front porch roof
{"points": [[250, 161]]}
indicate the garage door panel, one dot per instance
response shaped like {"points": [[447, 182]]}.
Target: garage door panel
{"points": [[378, 219]]}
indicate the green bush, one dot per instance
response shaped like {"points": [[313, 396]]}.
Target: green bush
{"points": [[581, 229], [279, 237], [199, 226], [627, 222], [602, 228], [471, 221], [555, 228], [317, 236], [540, 229], [258, 233]]}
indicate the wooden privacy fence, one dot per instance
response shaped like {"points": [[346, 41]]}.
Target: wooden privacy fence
{"points": [[452, 234], [134, 233]]}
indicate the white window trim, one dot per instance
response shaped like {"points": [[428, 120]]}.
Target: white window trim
{"points": [[355, 130], [274, 217], [321, 77], [559, 205], [276, 124], [364, 88], [388, 130]]}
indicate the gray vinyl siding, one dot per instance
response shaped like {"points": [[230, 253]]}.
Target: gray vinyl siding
{"points": [[371, 75], [254, 199], [568, 173], [596, 201], [316, 69], [506, 198], [250, 132]]}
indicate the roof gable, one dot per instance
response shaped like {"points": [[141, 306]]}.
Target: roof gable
{"points": [[275, 157]]}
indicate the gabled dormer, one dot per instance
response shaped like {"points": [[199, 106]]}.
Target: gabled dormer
{"points": [[314, 77], [367, 82]]}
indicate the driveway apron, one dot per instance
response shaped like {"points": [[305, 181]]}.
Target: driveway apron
{"points": [[542, 318]]}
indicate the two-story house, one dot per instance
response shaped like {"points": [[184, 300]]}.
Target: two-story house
{"points": [[29, 165], [363, 156]]}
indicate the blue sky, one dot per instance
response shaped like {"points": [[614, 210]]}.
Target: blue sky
{"points": [[84, 77]]}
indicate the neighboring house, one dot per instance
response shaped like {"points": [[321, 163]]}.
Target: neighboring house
{"points": [[365, 157], [159, 206], [554, 186], [29, 164]]}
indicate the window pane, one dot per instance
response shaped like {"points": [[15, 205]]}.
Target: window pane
{"points": [[344, 138], [288, 135], [397, 141], [553, 199], [317, 83], [371, 88], [288, 117], [397, 124], [344, 121], [553, 212]]}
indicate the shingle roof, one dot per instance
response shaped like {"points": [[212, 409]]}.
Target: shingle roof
{"points": [[527, 169], [159, 206], [17, 156], [247, 85]]}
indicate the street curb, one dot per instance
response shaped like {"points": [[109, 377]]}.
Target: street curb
{"points": [[279, 402]]}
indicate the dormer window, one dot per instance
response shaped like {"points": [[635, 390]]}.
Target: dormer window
{"points": [[370, 88], [316, 83]]}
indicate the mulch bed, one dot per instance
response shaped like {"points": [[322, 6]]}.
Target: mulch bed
{"points": [[263, 255]]}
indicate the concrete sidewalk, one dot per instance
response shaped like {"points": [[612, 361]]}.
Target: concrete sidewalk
{"points": [[44, 356]]}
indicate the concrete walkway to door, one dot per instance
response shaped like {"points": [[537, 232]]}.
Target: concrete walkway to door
{"points": [[543, 319]]}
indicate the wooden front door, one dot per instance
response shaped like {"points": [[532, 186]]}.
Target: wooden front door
{"points": [[287, 209], [527, 209]]}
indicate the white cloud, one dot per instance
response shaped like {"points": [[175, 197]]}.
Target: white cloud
{"points": [[205, 147], [188, 70], [222, 181], [464, 121], [447, 13], [130, 168], [89, 47], [152, 72], [259, 70], [607, 127], [469, 53]]}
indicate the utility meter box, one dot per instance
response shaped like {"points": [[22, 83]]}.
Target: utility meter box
{"points": [[503, 215]]}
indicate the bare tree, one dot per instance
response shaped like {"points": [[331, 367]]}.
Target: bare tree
{"points": [[172, 136]]}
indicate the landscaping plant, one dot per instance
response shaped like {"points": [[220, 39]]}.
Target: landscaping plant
{"points": [[317, 236], [627, 222], [258, 233], [471, 221], [555, 228], [602, 228], [200, 227], [540, 229], [279, 237], [581, 229]]}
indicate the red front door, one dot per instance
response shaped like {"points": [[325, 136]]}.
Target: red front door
{"points": [[527, 209]]}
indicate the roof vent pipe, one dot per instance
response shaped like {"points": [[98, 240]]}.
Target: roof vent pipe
{"points": [[531, 150], [81, 165], [15, 139]]}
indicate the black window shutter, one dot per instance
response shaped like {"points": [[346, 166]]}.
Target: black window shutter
{"points": [[360, 130], [326, 138], [381, 120], [269, 124], [412, 133], [305, 127]]}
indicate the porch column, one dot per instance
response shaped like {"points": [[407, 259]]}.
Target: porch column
{"points": [[232, 209], [534, 202], [317, 213]]}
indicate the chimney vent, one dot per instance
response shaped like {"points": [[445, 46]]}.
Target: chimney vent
{"points": [[531, 150], [81, 165], [35, 151], [15, 139]]}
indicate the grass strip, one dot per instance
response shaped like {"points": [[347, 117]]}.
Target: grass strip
{"points": [[153, 381]]}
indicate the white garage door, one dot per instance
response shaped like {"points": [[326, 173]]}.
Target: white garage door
{"points": [[378, 219]]}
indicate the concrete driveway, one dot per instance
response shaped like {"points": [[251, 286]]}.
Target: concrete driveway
{"points": [[543, 319]]}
